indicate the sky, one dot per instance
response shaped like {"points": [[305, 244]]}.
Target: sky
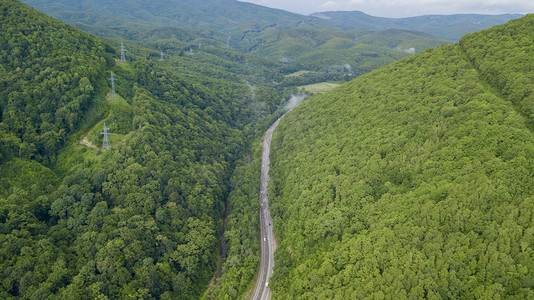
{"points": [[402, 8]]}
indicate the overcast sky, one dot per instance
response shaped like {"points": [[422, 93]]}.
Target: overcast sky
{"points": [[402, 8]]}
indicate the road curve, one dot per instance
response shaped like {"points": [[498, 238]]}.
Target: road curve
{"points": [[261, 290]]}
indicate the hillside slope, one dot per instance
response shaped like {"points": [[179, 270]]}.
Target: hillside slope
{"points": [[138, 220], [49, 75], [412, 181]]}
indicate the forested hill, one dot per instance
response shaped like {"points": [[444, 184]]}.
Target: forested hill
{"points": [[141, 219], [49, 72], [326, 49], [413, 181]]}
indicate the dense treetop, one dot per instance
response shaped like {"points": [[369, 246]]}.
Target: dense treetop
{"points": [[413, 181], [505, 56]]}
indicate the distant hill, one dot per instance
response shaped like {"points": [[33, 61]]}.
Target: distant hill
{"points": [[413, 181], [317, 48], [450, 27], [241, 21]]}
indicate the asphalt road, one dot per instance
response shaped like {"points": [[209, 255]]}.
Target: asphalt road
{"points": [[262, 291]]}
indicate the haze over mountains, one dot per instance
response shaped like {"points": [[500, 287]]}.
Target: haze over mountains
{"points": [[450, 27]]}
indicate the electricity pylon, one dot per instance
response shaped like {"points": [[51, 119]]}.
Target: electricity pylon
{"points": [[122, 50], [106, 144], [112, 85]]}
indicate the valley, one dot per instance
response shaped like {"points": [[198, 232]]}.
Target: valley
{"points": [[405, 172], [261, 290]]}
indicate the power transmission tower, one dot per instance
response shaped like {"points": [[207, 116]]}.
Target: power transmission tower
{"points": [[112, 85], [123, 58], [228, 41], [161, 53], [106, 144], [199, 45]]}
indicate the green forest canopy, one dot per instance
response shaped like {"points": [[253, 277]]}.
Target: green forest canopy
{"points": [[142, 219], [413, 181]]}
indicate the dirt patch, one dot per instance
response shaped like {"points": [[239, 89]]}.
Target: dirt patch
{"points": [[87, 143], [249, 158]]}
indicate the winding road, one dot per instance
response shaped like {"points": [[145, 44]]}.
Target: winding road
{"points": [[261, 290]]}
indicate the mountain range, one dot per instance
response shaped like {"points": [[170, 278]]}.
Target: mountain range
{"points": [[449, 27], [242, 21]]}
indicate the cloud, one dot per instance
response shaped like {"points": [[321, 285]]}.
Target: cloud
{"points": [[329, 5], [403, 8], [294, 101]]}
